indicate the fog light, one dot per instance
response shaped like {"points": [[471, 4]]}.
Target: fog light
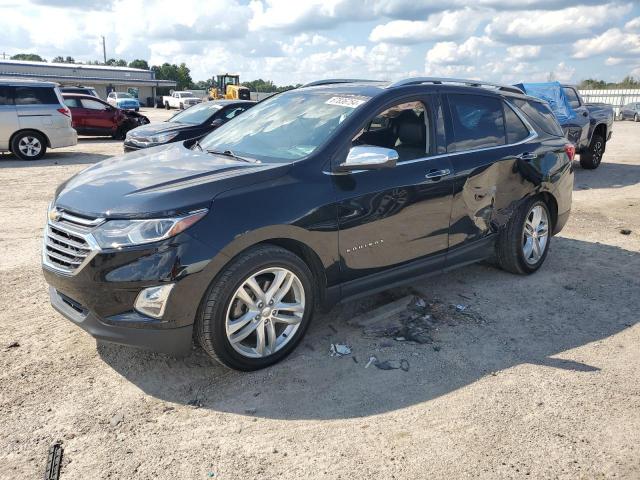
{"points": [[152, 301]]}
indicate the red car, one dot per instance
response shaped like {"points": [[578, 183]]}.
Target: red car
{"points": [[92, 116]]}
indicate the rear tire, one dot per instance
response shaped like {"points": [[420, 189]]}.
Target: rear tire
{"points": [[29, 145], [523, 244], [166, 105], [636, 118], [591, 158], [244, 329]]}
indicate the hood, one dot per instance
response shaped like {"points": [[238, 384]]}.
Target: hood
{"points": [[157, 182], [156, 128], [126, 100]]}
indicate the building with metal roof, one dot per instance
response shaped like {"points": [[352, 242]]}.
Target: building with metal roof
{"points": [[103, 78]]}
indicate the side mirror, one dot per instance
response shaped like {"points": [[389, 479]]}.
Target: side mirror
{"points": [[367, 157], [217, 122]]}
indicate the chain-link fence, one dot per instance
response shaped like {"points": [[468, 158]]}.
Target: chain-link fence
{"points": [[616, 97]]}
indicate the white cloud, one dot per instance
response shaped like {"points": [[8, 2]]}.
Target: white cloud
{"points": [[613, 61], [553, 26], [633, 25], [452, 53], [522, 52], [613, 40], [448, 24]]}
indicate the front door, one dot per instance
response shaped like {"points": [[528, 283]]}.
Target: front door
{"points": [[99, 117], [395, 216], [8, 117], [582, 116]]}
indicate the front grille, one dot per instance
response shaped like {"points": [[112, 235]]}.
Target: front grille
{"points": [[66, 241]]}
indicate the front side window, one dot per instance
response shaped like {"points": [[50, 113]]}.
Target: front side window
{"points": [[516, 130], [478, 122], [286, 127], [196, 115], [93, 104], [404, 127], [35, 96], [572, 96]]}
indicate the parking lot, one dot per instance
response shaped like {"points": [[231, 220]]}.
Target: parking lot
{"points": [[539, 378]]}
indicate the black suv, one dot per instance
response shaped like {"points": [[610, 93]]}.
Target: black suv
{"points": [[329, 191]]}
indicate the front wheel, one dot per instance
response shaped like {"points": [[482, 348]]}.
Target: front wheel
{"points": [[524, 243], [257, 310], [636, 118], [166, 105], [591, 158], [29, 146]]}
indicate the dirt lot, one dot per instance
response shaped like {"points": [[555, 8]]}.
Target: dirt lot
{"points": [[542, 380]]}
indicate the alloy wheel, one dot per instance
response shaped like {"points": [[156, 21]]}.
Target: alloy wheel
{"points": [[265, 312], [598, 151], [535, 234], [30, 146]]}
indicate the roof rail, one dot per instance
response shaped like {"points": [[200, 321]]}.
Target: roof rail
{"points": [[330, 81], [440, 81]]}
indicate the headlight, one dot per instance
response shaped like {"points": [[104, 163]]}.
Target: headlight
{"points": [[125, 233], [163, 137]]}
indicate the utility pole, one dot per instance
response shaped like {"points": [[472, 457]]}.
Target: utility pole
{"points": [[104, 51]]}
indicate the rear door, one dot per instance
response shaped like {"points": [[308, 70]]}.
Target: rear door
{"points": [[8, 116], [488, 143], [391, 217]]}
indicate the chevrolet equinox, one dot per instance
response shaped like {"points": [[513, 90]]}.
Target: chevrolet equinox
{"points": [[337, 189]]}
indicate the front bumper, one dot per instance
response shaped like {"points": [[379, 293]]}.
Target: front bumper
{"points": [[174, 341]]}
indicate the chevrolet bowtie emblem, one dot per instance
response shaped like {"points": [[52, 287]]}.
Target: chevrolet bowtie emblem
{"points": [[54, 215]]}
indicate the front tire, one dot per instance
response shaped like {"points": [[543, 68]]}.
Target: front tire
{"points": [[636, 118], [523, 245], [29, 146], [166, 105], [257, 310], [591, 158]]}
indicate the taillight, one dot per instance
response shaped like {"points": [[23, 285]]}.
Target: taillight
{"points": [[570, 150], [65, 111]]}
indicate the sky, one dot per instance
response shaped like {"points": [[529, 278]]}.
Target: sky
{"points": [[303, 40]]}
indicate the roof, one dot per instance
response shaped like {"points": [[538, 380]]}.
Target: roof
{"points": [[71, 65], [26, 81]]}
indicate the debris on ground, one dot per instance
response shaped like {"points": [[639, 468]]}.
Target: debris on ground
{"points": [[411, 318], [13, 345], [339, 350], [371, 361], [116, 420], [196, 402], [625, 231], [54, 462], [393, 365]]}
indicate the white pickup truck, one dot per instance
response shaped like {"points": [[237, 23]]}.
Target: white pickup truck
{"points": [[180, 100]]}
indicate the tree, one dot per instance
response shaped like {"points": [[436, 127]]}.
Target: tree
{"points": [[116, 63], [179, 74], [593, 84], [60, 59], [137, 63], [267, 86], [32, 57]]}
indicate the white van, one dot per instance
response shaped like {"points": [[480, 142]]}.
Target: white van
{"points": [[33, 117]]}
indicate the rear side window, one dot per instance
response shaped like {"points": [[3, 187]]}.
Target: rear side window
{"points": [[35, 96], [515, 128], [6, 98], [478, 122], [540, 114], [572, 96], [72, 102]]}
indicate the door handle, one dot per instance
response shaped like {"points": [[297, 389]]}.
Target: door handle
{"points": [[433, 174], [526, 156]]}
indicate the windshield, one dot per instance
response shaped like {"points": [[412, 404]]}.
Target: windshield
{"points": [[124, 95], [284, 128], [186, 94], [196, 114]]}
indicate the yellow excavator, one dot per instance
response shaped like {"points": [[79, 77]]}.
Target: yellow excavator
{"points": [[227, 86]]}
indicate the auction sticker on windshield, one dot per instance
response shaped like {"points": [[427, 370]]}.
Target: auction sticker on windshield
{"points": [[351, 102]]}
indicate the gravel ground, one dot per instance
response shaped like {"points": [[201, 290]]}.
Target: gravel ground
{"points": [[541, 380]]}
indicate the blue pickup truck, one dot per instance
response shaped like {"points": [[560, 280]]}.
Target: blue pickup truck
{"points": [[587, 125]]}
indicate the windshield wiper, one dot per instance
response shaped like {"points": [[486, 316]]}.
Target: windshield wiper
{"points": [[197, 144], [229, 153]]}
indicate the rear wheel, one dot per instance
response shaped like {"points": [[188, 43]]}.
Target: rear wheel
{"points": [[29, 146], [636, 118], [523, 245], [591, 158], [181, 106], [166, 105], [257, 310]]}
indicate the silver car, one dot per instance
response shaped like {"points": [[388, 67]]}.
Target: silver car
{"points": [[33, 117], [630, 111]]}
